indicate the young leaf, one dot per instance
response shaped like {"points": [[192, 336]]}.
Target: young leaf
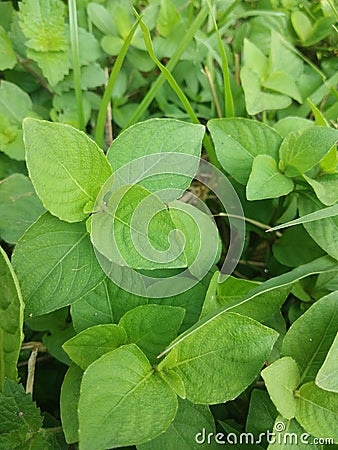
{"points": [[19, 207], [301, 151], [69, 401], [237, 142], [152, 327], [317, 411], [310, 337], [325, 187], [129, 388], [61, 267], [189, 421], [87, 346], [66, 167], [281, 379], [226, 345], [11, 320], [266, 181], [327, 378]]}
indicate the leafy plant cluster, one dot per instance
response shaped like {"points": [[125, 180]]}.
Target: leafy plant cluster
{"points": [[250, 86]]}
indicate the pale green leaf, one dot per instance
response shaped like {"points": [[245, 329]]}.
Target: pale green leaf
{"points": [[189, 421], [302, 25], [168, 17], [317, 411], [238, 141], [310, 337], [301, 151], [226, 345], [129, 389], [254, 59], [266, 181], [7, 54], [66, 167], [152, 327], [325, 187], [290, 435], [87, 346], [69, 401], [11, 320], [327, 376], [19, 207], [288, 124], [284, 83], [101, 18], [61, 267], [283, 58], [281, 379]]}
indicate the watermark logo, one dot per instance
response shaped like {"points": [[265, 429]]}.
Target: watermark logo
{"points": [[145, 204]]}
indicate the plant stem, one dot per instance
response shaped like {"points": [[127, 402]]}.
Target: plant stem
{"points": [[74, 40], [31, 371], [101, 119], [213, 91]]}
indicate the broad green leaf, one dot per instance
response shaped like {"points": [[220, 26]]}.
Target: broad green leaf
{"points": [[284, 83], [135, 230], [284, 248], [66, 167], [301, 151], [69, 401], [226, 345], [87, 346], [238, 141], [42, 22], [152, 327], [7, 54], [11, 320], [112, 44], [173, 170], [261, 415], [283, 58], [301, 24], [89, 47], [281, 379], [320, 265], [232, 291], [18, 412], [182, 433], [61, 267], [15, 105], [322, 231], [266, 181], [19, 207], [310, 337], [317, 411], [129, 389], [167, 18], [254, 59], [54, 65], [257, 100], [325, 187], [327, 376], [101, 18], [289, 435], [290, 124]]}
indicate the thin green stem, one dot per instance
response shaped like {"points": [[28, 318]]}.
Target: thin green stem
{"points": [[200, 18], [74, 41], [101, 119], [228, 98]]}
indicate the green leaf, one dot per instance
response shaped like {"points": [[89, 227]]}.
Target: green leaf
{"points": [[69, 401], [54, 65], [289, 435], [284, 83], [129, 385], [265, 180], [66, 167], [317, 411], [238, 141], [174, 139], [101, 18], [17, 410], [310, 337], [226, 345], [7, 54], [134, 231], [283, 58], [42, 22], [61, 267], [301, 24], [19, 207], [152, 327], [261, 414], [55, 338], [11, 320], [325, 187], [189, 421], [168, 17], [322, 230], [288, 124], [327, 375], [254, 59], [301, 151], [281, 379], [87, 346]]}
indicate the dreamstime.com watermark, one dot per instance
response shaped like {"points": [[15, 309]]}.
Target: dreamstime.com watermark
{"points": [[278, 436]]}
